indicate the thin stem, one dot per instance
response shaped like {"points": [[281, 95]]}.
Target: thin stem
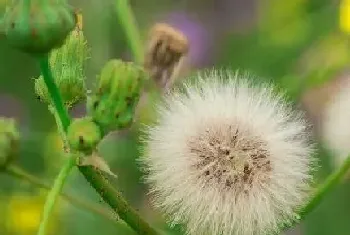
{"points": [[54, 92], [128, 22], [61, 132], [54, 193], [116, 201], [327, 186], [322, 190], [64, 122], [21, 174]]}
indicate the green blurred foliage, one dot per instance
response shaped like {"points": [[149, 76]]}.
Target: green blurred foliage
{"points": [[289, 43]]}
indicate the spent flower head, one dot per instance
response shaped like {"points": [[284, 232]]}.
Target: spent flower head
{"points": [[227, 156], [165, 53]]}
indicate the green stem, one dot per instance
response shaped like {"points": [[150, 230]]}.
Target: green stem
{"points": [[21, 174], [54, 193], [54, 92], [322, 190], [63, 118], [102, 186], [61, 132], [128, 22], [326, 187], [116, 201]]}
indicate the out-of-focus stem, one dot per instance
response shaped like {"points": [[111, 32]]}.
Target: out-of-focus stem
{"points": [[21, 174], [54, 193], [128, 22], [321, 192]]}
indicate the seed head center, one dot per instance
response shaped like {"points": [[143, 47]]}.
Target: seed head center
{"points": [[230, 157]]}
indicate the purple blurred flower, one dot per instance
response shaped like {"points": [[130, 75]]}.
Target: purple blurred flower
{"points": [[235, 15], [11, 107], [198, 37], [78, 110]]}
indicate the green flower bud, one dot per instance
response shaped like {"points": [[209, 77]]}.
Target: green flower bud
{"points": [[83, 135], [9, 138], [36, 26], [112, 106], [68, 65]]}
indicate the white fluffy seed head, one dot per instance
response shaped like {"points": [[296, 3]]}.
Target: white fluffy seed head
{"points": [[336, 125], [228, 157]]}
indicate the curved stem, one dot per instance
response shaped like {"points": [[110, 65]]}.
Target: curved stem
{"points": [[322, 190], [326, 187], [64, 119], [21, 174], [116, 201], [128, 22], [54, 193], [111, 196], [54, 92]]}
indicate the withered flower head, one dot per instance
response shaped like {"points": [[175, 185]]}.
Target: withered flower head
{"points": [[166, 50]]}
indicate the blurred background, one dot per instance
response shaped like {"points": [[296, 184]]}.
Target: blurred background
{"points": [[301, 45]]}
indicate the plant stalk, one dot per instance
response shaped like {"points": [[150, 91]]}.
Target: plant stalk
{"points": [[64, 119], [21, 174], [326, 187], [331, 181], [116, 201], [54, 92], [111, 196], [54, 193], [128, 23]]}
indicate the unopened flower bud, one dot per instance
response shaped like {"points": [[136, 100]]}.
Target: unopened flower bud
{"points": [[68, 64], [38, 26], [9, 137], [119, 86], [83, 135], [165, 52]]}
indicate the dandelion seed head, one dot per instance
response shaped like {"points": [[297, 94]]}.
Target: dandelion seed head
{"points": [[227, 156], [336, 125]]}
